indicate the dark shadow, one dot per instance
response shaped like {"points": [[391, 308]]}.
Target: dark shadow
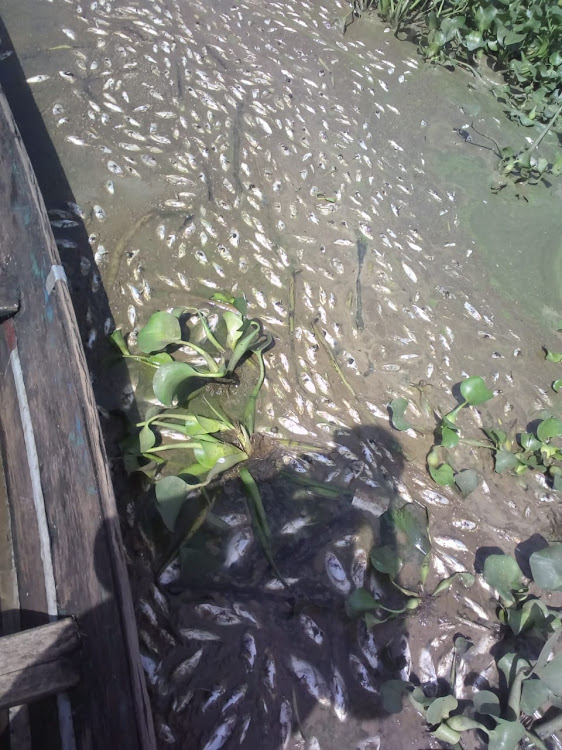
{"points": [[525, 549], [91, 308], [269, 648], [482, 553]]}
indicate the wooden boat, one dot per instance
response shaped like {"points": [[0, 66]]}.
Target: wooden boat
{"points": [[57, 509]]}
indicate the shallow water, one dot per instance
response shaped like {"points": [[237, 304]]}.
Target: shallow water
{"points": [[255, 148]]}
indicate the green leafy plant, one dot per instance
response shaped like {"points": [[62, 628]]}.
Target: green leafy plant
{"points": [[201, 447], [524, 41], [539, 451], [532, 684], [474, 392], [404, 561]]}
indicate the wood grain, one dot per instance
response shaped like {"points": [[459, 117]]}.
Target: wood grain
{"points": [[39, 662], [111, 704]]}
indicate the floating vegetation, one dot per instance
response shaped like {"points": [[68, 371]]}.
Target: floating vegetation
{"points": [[539, 451], [530, 661], [404, 560], [202, 447]]}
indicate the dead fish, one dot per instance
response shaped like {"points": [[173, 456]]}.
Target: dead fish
{"points": [[368, 646], [291, 527], [235, 698], [237, 546], [361, 674], [270, 672], [244, 614], [150, 668], [311, 629], [426, 666], [338, 696], [285, 720], [193, 634], [221, 734], [249, 650], [187, 667], [220, 615], [213, 698], [311, 679], [336, 573]]}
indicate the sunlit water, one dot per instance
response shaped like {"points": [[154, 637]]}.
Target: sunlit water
{"points": [[252, 147]]}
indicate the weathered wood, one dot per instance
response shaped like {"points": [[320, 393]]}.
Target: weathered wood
{"points": [[70, 478], [39, 662]]}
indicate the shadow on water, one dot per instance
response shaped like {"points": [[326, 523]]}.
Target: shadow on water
{"points": [[230, 644], [91, 308], [278, 655]]}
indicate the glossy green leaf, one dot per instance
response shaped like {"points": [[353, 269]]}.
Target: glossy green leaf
{"points": [[392, 695], [546, 567], [486, 702], [419, 700], [557, 385], [147, 439], [160, 358], [467, 481], [446, 734], [386, 560], [475, 391], [170, 381], [549, 428], [171, 494], [443, 475], [118, 340], [162, 329], [234, 324], [247, 340], [502, 573], [473, 40], [359, 602], [463, 723], [529, 442], [463, 577], [208, 453], [449, 437], [461, 643], [533, 695], [551, 675], [440, 709], [510, 665], [506, 735], [553, 356], [398, 407], [505, 461], [532, 613], [496, 436]]}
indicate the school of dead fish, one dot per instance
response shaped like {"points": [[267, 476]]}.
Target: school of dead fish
{"points": [[273, 158]]}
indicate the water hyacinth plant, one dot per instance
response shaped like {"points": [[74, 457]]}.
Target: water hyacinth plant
{"points": [[530, 663], [201, 447]]}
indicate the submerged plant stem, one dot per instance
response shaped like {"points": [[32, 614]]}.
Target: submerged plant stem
{"points": [[323, 343], [174, 446]]}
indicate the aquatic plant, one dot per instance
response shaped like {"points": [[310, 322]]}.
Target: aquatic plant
{"points": [[538, 451], [403, 559], [533, 685], [474, 392], [524, 38], [203, 446]]}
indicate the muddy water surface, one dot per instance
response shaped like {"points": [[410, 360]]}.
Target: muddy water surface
{"points": [[254, 148]]}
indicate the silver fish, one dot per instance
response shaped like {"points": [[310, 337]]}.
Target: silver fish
{"points": [[311, 679], [221, 734]]}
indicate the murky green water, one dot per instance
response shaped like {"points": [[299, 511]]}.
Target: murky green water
{"points": [[201, 148]]}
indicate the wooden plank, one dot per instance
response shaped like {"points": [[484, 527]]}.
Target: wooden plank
{"points": [[25, 534], [39, 662], [74, 484]]}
